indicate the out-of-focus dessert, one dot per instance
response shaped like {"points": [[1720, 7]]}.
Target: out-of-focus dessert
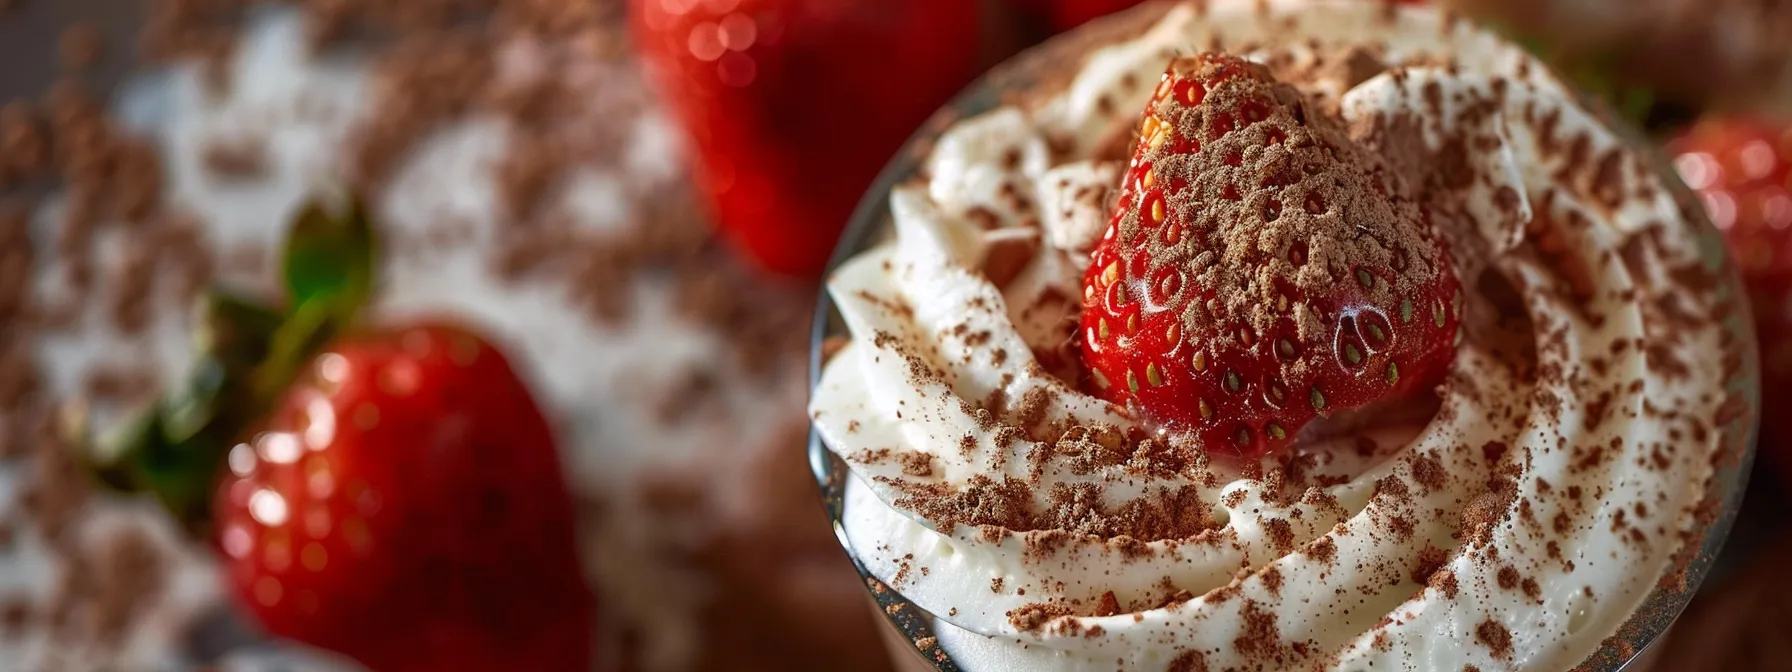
{"points": [[1728, 54], [1273, 254], [521, 179]]}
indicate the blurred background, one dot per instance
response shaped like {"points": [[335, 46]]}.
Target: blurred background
{"points": [[632, 201]]}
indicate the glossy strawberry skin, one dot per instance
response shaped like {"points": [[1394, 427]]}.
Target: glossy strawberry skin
{"points": [[1240, 389], [793, 106], [405, 506], [1742, 170]]}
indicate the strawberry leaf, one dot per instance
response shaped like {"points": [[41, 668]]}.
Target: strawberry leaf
{"points": [[307, 329], [328, 258], [248, 354], [328, 267], [174, 448], [233, 341]]}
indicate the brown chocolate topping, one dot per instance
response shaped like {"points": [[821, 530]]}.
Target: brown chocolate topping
{"points": [[1295, 177], [1494, 635]]}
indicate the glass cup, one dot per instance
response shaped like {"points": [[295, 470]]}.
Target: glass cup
{"points": [[909, 632]]}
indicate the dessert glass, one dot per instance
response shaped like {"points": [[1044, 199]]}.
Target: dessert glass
{"points": [[909, 631]]}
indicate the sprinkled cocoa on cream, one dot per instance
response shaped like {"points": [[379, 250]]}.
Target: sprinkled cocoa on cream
{"points": [[1512, 519]]}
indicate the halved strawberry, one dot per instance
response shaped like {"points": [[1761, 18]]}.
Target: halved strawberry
{"points": [[1260, 270]]}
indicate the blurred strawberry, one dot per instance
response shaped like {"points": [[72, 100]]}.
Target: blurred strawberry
{"points": [[1740, 168], [401, 502], [405, 506], [795, 105]]}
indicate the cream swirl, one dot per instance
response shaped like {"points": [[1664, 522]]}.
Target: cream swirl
{"points": [[1515, 526]]}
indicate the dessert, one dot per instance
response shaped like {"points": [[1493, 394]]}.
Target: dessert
{"points": [[1728, 54], [523, 182], [1516, 515]]}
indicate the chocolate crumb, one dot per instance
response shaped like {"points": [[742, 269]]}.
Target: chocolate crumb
{"points": [[1035, 616], [1323, 549], [1189, 661], [1108, 606], [235, 159], [1494, 635], [1272, 579], [1507, 577], [1431, 559], [918, 464], [1444, 581], [1261, 639], [1429, 472]]}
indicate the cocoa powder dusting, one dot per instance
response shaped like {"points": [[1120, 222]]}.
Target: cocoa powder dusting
{"points": [[1189, 661], [1035, 616], [1323, 549], [1261, 639], [1485, 513], [1430, 560], [1494, 635], [1444, 581], [1429, 472]]}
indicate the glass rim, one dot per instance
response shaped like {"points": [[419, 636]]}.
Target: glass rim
{"points": [[1634, 637]]}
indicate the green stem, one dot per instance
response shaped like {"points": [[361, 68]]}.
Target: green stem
{"points": [[248, 355]]}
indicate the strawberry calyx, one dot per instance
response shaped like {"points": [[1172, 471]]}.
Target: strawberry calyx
{"points": [[1260, 270], [248, 352]]}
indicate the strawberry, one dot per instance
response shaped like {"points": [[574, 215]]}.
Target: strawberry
{"points": [[1260, 270], [404, 506], [793, 106], [393, 495], [1742, 170]]}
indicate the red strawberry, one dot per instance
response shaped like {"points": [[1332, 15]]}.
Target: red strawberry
{"points": [[795, 105], [405, 506], [1742, 169], [1260, 270]]}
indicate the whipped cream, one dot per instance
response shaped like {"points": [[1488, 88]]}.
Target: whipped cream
{"points": [[1563, 474]]}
